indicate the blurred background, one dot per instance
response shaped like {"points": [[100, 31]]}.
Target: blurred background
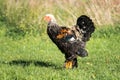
{"points": [[26, 16]]}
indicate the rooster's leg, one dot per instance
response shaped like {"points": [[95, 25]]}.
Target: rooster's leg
{"points": [[68, 64], [75, 64], [71, 63]]}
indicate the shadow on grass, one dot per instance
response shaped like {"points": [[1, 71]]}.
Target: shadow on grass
{"points": [[25, 63]]}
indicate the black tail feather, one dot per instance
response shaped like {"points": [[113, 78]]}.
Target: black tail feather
{"points": [[86, 26]]}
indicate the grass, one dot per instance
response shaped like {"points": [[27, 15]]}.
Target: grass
{"points": [[37, 58]]}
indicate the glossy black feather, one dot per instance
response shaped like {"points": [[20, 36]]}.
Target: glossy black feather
{"points": [[87, 27]]}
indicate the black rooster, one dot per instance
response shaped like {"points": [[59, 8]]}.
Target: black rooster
{"points": [[71, 41]]}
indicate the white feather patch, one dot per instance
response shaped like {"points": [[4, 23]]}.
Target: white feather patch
{"points": [[72, 39]]}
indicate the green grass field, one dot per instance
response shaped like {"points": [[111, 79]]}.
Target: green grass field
{"points": [[37, 58]]}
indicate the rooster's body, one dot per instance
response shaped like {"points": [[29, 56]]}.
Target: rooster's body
{"points": [[71, 41]]}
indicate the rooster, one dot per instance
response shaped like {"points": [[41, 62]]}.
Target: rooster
{"points": [[70, 41]]}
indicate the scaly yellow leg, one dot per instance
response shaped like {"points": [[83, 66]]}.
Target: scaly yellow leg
{"points": [[68, 64]]}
